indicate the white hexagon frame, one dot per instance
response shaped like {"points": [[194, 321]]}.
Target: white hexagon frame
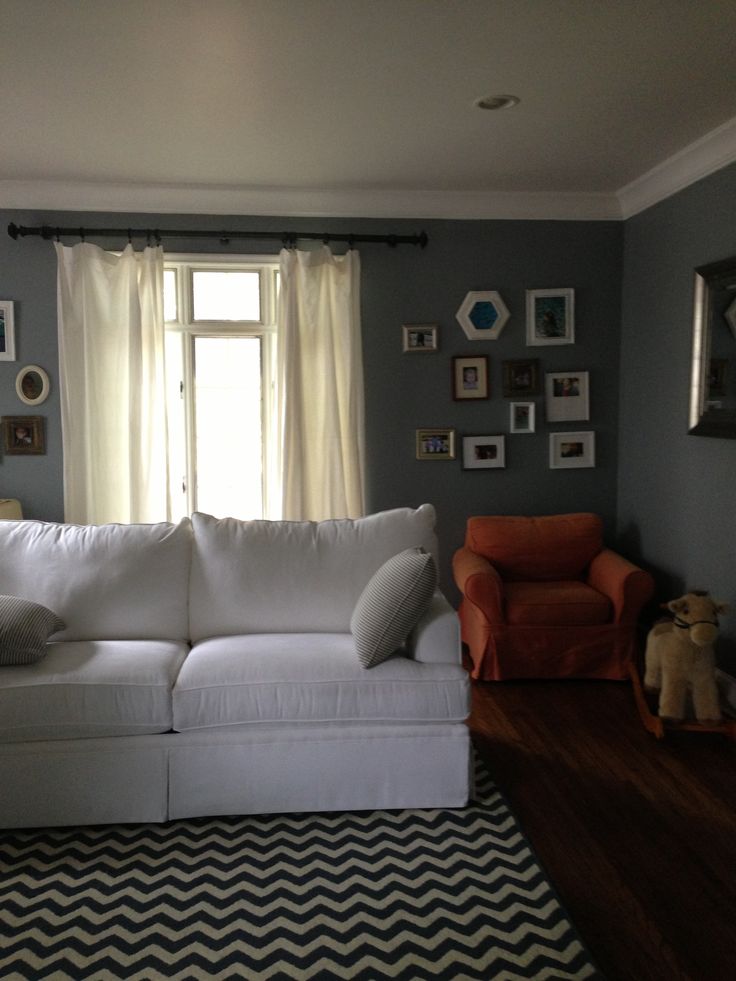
{"points": [[487, 297]]}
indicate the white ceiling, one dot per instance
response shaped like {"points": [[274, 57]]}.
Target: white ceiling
{"points": [[363, 106]]}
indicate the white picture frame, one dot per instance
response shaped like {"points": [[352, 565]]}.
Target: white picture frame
{"points": [[567, 397], [483, 315], [32, 385], [7, 331], [571, 451], [550, 317], [522, 417], [420, 338], [484, 452]]}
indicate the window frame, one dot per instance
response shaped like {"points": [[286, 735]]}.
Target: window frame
{"points": [[188, 329]]}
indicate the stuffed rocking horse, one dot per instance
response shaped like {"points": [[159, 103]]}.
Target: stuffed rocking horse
{"points": [[680, 658]]}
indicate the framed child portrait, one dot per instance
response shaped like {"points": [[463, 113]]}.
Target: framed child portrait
{"points": [[470, 378]]}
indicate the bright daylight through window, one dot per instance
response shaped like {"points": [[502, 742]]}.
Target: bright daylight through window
{"points": [[220, 316]]}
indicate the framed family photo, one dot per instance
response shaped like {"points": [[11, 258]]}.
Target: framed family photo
{"points": [[435, 444], [550, 316], [568, 451], [484, 452], [566, 396], [23, 435], [520, 378], [522, 417], [7, 331], [420, 338], [470, 378]]}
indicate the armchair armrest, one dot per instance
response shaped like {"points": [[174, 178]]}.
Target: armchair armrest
{"points": [[436, 638], [479, 582], [626, 585]]}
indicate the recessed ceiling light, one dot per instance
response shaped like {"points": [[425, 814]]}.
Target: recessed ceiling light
{"points": [[497, 101]]}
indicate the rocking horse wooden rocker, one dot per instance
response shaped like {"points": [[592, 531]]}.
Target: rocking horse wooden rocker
{"points": [[680, 665]]}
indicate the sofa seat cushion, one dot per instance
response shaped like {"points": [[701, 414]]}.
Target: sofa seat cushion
{"points": [[550, 604], [230, 681], [84, 689]]}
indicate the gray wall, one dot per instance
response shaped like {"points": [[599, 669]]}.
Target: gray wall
{"points": [[404, 391], [675, 492]]}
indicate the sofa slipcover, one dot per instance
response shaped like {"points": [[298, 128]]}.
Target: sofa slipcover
{"points": [[255, 678]]}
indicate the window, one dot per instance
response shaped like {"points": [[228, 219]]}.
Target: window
{"points": [[220, 316]]}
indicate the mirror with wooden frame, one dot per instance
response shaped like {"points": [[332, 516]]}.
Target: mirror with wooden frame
{"points": [[713, 375]]}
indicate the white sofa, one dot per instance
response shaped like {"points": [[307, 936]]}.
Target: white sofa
{"points": [[207, 667]]}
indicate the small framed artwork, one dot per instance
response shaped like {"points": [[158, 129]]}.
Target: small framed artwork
{"points": [[483, 315], [484, 452], [435, 444], [470, 378], [566, 396], [550, 316], [23, 435], [568, 451], [522, 417], [7, 331], [32, 385], [420, 338], [520, 378]]}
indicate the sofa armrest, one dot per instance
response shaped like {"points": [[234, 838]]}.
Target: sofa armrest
{"points": [[479, 582], [436, 638], [626, 585]]}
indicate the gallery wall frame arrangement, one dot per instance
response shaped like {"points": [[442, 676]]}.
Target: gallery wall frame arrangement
{"points": [[550, 317], [32, 385], [571, 451], [7, 331], [420, 338], [521, 378], [566, 396], [435, 444], [23, 435], [522, 417], [470, 378], [484, 452]]}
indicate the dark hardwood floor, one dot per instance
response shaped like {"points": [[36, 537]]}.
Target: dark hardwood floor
{"points": [[638, 835]]}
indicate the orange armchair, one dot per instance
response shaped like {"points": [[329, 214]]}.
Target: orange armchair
{"points": [[543, 598]]}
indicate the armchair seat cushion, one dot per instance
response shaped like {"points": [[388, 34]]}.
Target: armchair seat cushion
{"points": [[565, 603]]}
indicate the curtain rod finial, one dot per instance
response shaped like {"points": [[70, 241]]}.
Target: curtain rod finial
{"points": [[13, 230]]}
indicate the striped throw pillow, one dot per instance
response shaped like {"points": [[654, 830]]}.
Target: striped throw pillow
{"points": [[24, 629], [391, 604]]}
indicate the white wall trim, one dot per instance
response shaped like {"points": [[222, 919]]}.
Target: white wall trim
{"points": [[298, 202], [705, 156]]}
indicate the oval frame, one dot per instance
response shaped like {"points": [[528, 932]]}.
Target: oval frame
{"points": [[45, 384]]}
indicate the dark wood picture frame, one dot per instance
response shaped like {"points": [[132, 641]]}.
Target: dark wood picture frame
{"points": [[23, 435]]}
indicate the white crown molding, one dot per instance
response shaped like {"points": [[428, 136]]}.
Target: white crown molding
{"points": [[300, 202], [715, 150], [705, 156]]}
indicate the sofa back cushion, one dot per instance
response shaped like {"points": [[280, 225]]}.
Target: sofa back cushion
{"points": [[106, 582], [293, 576], [551, 547]]}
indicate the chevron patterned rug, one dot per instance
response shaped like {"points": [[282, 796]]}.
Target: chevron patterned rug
{"points": [[410, 895]]}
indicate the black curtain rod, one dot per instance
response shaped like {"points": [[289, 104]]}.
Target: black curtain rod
{"points": [[286, 238]]}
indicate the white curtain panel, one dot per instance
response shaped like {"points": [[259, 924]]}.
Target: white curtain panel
{"points": [[321, 410], [112, 384]]}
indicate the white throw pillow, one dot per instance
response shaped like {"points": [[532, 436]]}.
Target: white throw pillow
{"points": [[25, 628], [392, 602]]}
